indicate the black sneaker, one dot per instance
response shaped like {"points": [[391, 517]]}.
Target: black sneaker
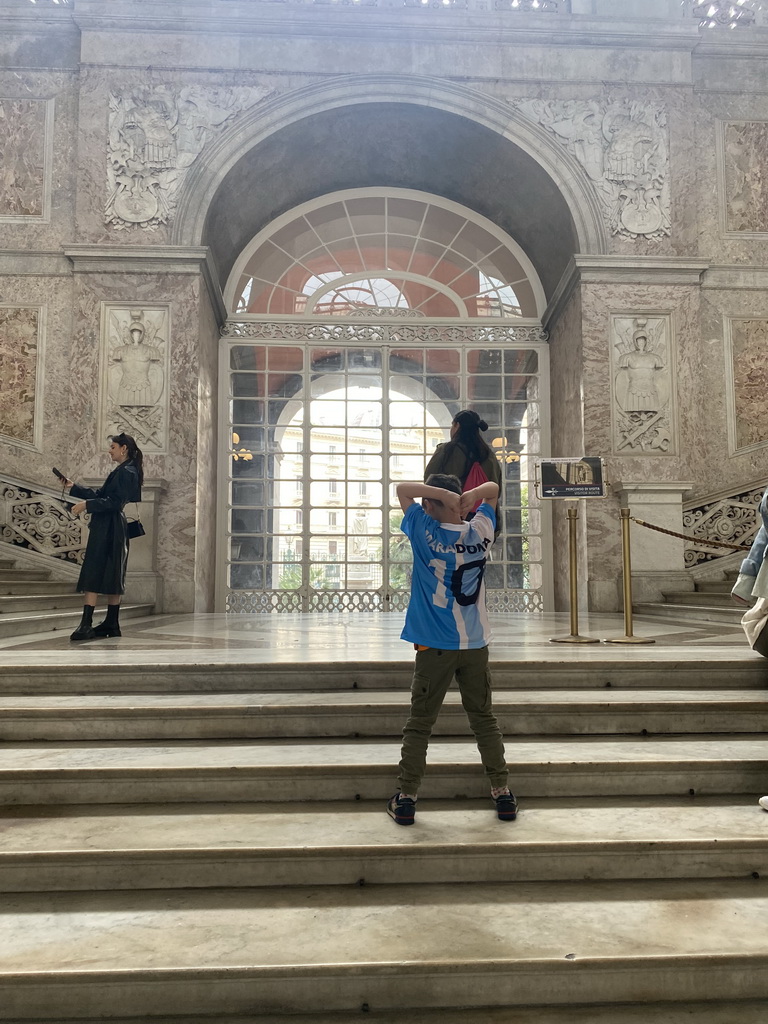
{"points": [[506, 807], [402, 809]]}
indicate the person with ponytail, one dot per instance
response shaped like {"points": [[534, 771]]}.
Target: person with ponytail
{"points": [[465, 448], [106, 554]]}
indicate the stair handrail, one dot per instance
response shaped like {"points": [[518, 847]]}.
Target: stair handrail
{"points": [[36, 517], [722, 516]]}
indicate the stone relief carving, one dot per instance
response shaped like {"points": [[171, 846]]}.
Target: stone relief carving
{"points": [[642, 385], [744, 149], [21, 367], [728, 13], [24, 129], [749, 374], [155, 135], [623, 148], [135, 360]]}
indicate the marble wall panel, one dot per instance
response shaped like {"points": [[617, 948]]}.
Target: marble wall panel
{"points": [[179, 293], [720, 237], [601, 302], [51, 298], [743, 152], [22, 365], [25, 144], [747, 376], [725, 464], [567, 430], [207, 449], [38, 112]]}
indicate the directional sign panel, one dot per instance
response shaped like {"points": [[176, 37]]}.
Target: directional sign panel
{"points": [[571, 478]]}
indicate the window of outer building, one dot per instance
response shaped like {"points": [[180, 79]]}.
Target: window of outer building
{"points": [[395, 250]]}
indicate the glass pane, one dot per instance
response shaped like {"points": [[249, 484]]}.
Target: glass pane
{"points": [[245, 410], [247, 357]]}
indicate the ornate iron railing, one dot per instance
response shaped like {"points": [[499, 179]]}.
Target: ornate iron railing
{"points": [[733, 517], [37, 518]]}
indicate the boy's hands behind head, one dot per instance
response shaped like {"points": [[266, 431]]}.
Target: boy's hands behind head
{"points": [[467, 502], [452, 501]]}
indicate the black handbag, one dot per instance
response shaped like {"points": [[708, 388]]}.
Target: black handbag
{"points": [[134, 527]]}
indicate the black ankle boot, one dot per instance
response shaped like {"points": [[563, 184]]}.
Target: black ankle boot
{"points": [[111, 625], [85, 630]]}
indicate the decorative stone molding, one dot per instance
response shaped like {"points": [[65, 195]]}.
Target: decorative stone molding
{"points": [[733, 518], [746, 369], [381, 333], [26, 143], [155, 135], [135, 373], [606, 269], [150, 259], [623, 147], [642, 371], [22, 370]]}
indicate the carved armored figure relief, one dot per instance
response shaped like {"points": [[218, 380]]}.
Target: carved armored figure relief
{"points": [[623, 148], [20, 368], [24, 139], [135, 375], [155, 135], [642, 379]]}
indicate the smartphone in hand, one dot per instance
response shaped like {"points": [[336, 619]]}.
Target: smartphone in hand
{"points": [[59, 474]]}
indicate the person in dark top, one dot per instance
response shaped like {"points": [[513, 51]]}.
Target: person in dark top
{"points": [[106, 554], [457, 456]]}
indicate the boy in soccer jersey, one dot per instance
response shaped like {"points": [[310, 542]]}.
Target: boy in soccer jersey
{"points": [[447, 623]]}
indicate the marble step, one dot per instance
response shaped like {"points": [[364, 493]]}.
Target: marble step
{"points": [[173, 846], [194, 671], [10, 587], [344, 769], [10, 604], [715, 586], [353, 713], [32, 622], [706, 598], [10, 575], [690, 612], [342, 948], [740, 1011]]}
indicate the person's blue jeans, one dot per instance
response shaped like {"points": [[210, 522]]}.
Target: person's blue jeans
{"points": [[751, 564]]}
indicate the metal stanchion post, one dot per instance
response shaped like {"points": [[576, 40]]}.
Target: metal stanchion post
{"points": [[574, 637], [626, 559]]}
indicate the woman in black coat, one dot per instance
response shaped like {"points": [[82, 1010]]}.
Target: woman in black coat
{"points": [[106, 554]]}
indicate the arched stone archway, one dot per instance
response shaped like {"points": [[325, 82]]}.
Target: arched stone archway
{"points": [[392, 130]]}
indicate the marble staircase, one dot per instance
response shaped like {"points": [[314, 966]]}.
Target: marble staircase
{"points": [[31, 601], [710, 602], [207, 841]]}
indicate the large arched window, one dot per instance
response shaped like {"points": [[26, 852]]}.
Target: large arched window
{"points": [[363, 252]]}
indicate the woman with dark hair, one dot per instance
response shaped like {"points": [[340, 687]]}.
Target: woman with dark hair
{"points": [[465, 448], [106, 554]]}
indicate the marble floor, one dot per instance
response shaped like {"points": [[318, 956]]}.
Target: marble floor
{"points": [[371, 636]]}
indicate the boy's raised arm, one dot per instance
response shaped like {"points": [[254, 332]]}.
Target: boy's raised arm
{"points": [[409, 491]]}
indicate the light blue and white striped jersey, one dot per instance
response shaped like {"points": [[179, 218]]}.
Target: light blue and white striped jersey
{"points": [[447, 605]]}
